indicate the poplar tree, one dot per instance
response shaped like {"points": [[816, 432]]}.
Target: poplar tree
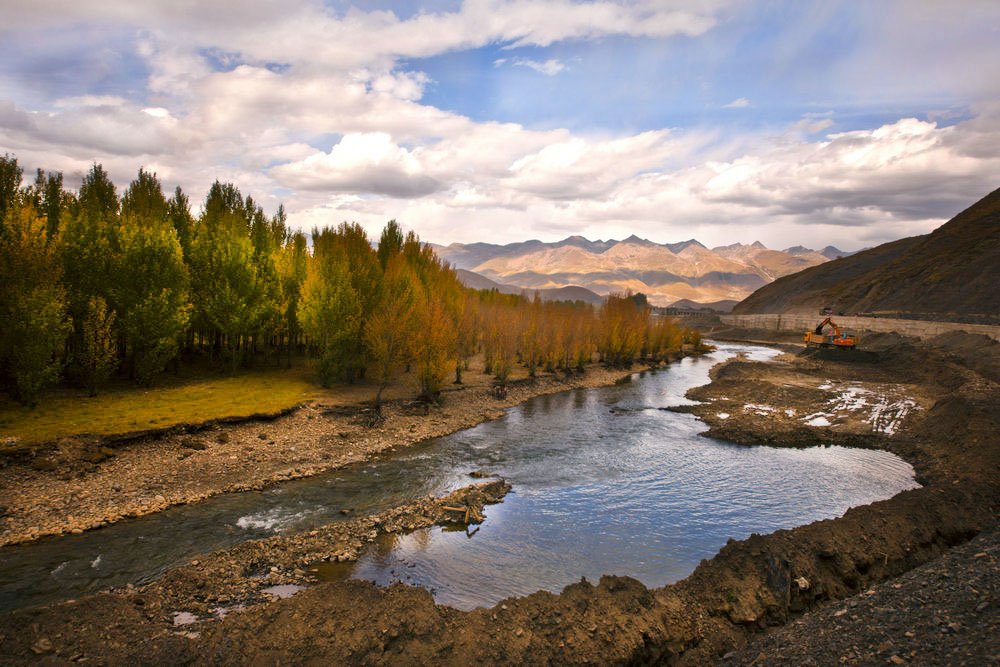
{"points": [[32, 304]]}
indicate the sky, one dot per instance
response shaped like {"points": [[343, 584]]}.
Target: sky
{"points": [[792, 122]]}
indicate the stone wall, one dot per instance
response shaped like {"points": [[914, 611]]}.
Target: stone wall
{"points": [[917, 328]]}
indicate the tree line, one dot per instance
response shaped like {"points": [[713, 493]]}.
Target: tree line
{"points": [[94, 284]]}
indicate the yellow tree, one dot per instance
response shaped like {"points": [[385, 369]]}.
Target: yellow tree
{"points": [[390, 331]]}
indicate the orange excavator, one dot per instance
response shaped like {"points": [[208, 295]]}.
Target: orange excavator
{"points": [[837, 338]]}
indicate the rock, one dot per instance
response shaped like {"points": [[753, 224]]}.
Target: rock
{"points": [[223, 437], [478, 474], [43, 645], [194, 442], [802, 583], [896, 660], [107, 451]]}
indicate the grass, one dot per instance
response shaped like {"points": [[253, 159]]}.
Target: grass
{"points": [[132, 409]]}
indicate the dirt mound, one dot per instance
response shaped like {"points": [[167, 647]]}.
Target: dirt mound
{"points": [[975, 351]]}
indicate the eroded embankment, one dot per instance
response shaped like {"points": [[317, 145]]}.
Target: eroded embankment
{"points": [[750, 585]]}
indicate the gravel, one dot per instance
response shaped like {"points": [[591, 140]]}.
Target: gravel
{"points": [[946, 612]]}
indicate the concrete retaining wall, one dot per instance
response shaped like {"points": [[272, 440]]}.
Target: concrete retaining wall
{"points": [[917, 328]]}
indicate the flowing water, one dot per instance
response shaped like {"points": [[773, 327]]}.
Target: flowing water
{"points": [[605, 481]]}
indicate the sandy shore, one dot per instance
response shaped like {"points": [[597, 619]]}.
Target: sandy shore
{"points": [[62, 489]]}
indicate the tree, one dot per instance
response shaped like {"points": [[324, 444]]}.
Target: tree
{"points": [[98, 356], [10, 182], [150, 295], [331, 316], [293, 260], [98, 195], [389, 333], [32, 304], [434, 344], [390, 243]]}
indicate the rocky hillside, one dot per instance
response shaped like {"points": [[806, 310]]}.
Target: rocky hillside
{"points": [[953, 272], [569, 293], [666, 272]]}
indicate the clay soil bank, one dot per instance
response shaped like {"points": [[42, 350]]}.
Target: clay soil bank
{"points": [[936, 404]]}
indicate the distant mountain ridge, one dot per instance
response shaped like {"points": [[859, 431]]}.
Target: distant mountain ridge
{"points": [[665, 272], [953, 272], [570, 293]]}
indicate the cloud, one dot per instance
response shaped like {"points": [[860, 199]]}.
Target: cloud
{"points": [[367, 163], [550, 67], [325, 111], [300, 31]]}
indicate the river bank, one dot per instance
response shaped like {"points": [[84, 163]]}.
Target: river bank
{"points": [[949, 434], [84, 483]]}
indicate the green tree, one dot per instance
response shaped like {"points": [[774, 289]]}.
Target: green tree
{"points": [[32, 304], [98, 354], [10, 182], [150, 295], [331, 316], [98, 195]]}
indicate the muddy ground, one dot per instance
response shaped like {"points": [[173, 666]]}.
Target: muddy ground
{"points": [[936, 404]]}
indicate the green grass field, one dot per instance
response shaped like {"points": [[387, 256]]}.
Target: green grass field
{"points": [[131, 409]]}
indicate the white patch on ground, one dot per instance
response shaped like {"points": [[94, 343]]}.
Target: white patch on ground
{"points": [[60, 568], [887, 417], [818, 421], [97, 561], [184, 618], [885, 411], [790, 412], [825, 385], [723, 415], [762, 410], [282, 590]]}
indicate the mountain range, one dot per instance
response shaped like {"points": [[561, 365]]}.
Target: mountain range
{"points": [[665, 272], [951, 273]]}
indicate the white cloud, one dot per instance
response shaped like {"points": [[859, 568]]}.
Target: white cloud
{"points": [[738, 103], [367, 163], [453, 178], [550, 67]]}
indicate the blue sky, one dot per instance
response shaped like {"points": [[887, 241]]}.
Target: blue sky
{"points": [[791, 122]]}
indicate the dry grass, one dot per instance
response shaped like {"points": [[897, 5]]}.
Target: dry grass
{"points": [[132, 409]]}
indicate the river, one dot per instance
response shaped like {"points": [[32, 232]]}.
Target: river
{"points": [[605, 481]]}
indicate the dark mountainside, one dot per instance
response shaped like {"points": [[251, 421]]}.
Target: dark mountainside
{"points": [[720, 306], [571, 293], [953, 270]]}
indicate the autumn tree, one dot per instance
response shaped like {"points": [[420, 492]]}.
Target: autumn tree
{"points": [[390, 332]]}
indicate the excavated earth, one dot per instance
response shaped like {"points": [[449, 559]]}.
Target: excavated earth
{"points": [[936, 404]]}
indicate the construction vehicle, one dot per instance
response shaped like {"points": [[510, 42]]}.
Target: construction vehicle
{"points": [[836, 338]]}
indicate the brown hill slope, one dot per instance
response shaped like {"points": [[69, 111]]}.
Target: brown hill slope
{"points": [[953, 270]]}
